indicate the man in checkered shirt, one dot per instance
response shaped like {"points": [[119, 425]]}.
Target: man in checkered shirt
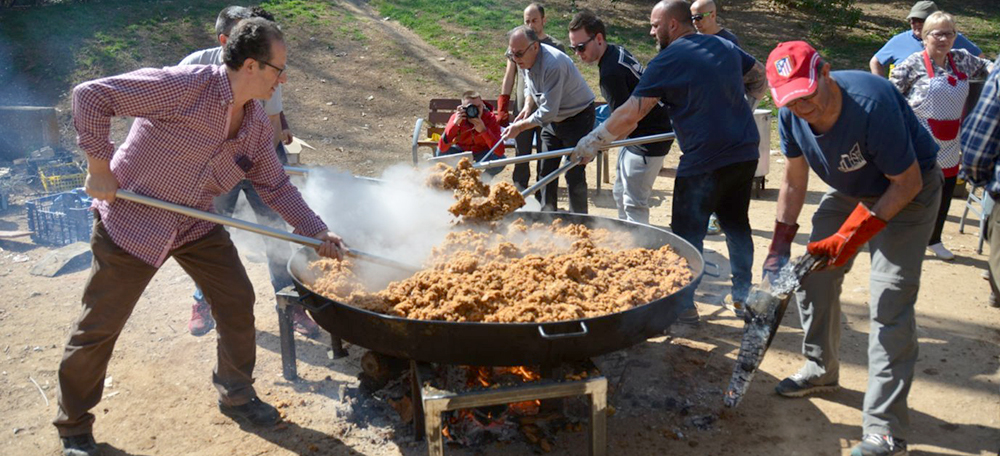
{"points": [[199, 130], [981, 165]]}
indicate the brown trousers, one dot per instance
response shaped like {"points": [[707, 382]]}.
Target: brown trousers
{"points": [[117, 280]]}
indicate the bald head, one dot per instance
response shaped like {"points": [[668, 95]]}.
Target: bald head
{"points": [[678, 10], [669, 20], [703, 5], [534, 17], [704, 15]]}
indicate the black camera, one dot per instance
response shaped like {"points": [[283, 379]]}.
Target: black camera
{"points": [[472, 111]]}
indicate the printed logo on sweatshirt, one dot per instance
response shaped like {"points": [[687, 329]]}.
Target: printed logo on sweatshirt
{"points": [[853, 160]]}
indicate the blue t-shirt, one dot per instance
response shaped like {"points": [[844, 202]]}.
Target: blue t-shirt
{"points": [[906, 44], [876, 135], [700, 80], [723, 33]]}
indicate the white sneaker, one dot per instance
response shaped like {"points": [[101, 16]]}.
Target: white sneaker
{"points": [[941, 252]]}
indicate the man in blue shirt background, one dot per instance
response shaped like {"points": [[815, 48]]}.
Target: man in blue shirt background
{"points": [[857, 132], [907, 43]]}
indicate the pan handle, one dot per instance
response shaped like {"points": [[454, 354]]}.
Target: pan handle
{"points": [[309, 300], [580, 333]]}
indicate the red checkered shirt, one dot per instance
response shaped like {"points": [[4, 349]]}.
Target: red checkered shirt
{"points": [[177, 151]]}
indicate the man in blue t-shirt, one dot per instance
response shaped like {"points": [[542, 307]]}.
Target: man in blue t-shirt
{"points": [[860, 136], [909, 42], [703, 81]]}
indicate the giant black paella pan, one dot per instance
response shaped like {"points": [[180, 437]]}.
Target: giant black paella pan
{"points": [[504, 344]]}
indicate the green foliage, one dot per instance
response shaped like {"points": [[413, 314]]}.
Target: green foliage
{"points": [[471, 30], [826, 15]]}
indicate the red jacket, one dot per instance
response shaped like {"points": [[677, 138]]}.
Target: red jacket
{"points": [[468, 139]]}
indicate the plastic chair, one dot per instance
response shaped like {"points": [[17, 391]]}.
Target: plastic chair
{"points": [[981, 205]]}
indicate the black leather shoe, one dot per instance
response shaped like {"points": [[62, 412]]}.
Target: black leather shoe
{"points": [[256, 412], [80, 445]]}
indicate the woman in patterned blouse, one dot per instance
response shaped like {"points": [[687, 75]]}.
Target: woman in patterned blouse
{"points": [[935, 82]]}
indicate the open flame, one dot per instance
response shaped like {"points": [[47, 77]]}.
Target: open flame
{"points": [[470, 425]]}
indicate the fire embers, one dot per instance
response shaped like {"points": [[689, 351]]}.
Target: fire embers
{"points": [[541, 273], [477, 202], [536, 422]]}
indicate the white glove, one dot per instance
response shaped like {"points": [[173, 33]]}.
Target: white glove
{"points": [[588, 146]]}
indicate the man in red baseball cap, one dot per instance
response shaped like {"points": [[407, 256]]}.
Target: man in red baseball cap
{"points": [[857, 133]]}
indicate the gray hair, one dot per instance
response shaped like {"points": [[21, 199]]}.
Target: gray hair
{"points": [[524, 29]]}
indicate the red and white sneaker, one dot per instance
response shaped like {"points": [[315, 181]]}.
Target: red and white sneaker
{"points": [[201, 319]]}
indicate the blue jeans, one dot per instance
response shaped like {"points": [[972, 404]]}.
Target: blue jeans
{"points": [[725, 191]]}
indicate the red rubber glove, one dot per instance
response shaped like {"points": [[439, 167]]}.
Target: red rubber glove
{"points": [[781, 247], [503, 110], [859, 227]]}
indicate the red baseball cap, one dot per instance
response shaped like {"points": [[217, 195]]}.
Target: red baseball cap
{"points": [[792, 71]]}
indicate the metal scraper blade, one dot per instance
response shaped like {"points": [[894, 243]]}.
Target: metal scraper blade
{"points": [[764, 310]]}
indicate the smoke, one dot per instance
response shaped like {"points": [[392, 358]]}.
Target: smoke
{"points": [[399, 218]]}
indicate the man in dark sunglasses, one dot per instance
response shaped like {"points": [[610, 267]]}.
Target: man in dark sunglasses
{"points": [[638, 165], [705, 18], [905, 44]]}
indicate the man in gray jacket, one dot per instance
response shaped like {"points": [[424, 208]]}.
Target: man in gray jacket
{"points": [[557, 99]]}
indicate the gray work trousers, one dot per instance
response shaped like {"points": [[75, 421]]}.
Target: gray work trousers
{"points": [[897, 253], [636, 175]]}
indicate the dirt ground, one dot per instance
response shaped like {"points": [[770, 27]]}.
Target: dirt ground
{"points": [[352, 101]]}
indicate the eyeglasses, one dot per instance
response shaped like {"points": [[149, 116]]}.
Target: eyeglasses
{"points": [[516, 55], [698, 17], [942, 35], [280, 70], [578, 48]]}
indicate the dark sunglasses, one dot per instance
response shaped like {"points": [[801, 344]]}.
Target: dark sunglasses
{"points": [[280, 70], [582, 46], [698, 17], [516, 55]]}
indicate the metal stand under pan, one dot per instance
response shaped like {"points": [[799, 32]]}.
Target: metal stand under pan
{"points": [[431, 400], [286, 299]]}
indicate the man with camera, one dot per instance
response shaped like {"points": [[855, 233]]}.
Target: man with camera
{"points": [[472, 128]]}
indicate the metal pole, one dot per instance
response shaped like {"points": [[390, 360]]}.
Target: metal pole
{"points": [[549, 178], [450, 157], [256, 228], [297, 171], [569, 150]]}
